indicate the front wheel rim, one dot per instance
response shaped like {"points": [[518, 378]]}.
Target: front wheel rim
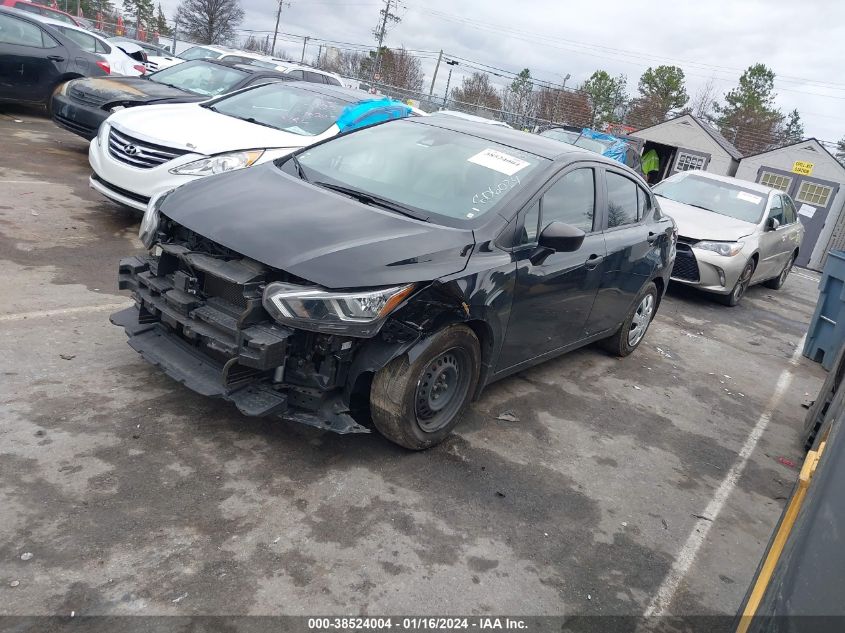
{"points": [[641, 319], [742, 284], [442, 389]]}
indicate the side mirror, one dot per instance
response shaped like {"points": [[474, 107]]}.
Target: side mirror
{"points": [[772, 224], [561, 238]]}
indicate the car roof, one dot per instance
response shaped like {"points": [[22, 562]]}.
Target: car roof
{"points": [[54, 22], [213, 47], [470, 117], [532, 143], [747, 184], [247, 68], [350, 95]]}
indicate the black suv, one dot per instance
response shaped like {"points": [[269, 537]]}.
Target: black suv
{"points": [[384, 277]]}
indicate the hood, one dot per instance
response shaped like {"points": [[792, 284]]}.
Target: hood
{"points": [[134, 89], [200, 130], [700, 224], [313, 233]]}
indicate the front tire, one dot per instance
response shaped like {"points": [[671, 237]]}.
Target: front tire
{"points": [[416, 405], [633, 329], [741, 285]]}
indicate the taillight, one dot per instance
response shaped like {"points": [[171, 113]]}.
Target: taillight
{"points": [[140, 68], [105, 66]]}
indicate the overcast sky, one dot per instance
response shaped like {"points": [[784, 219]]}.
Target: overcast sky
{"points": [[803, 42]]}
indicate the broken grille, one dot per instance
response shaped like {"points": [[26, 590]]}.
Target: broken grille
{"points": [[686, 266]]}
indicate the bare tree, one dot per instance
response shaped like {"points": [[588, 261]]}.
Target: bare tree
{"points": [[401, 69], [476, 90], [570, 107], [701, 104], [209, 21]]}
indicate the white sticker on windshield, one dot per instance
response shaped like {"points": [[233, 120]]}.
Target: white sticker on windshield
{"points": [[498, 161], [748, 197]]}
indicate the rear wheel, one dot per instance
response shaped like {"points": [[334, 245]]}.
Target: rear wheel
{"points": [[741, 286], [633, 329], [416, 405], [777, 282]]}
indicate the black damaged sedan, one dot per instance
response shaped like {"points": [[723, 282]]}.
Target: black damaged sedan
{"points": [[384, 277]]}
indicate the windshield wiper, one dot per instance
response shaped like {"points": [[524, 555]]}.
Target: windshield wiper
{"points": [[252, 120], [374, 200], [299, 170]]}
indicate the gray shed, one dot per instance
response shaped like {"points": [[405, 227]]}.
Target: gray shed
{"points": [[814, 179], [686, 142]]}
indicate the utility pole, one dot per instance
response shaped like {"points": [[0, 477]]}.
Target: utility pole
{"points": [[557, 101], [451, 63], [276, 31], [175, 28], [304, 43], [434, 78], [379, 33]]}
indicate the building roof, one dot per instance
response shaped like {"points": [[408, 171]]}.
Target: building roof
{"points": [[805, 140], [724, 143], [712, 132]]}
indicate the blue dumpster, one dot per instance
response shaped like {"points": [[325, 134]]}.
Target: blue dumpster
{"points": [[827, 327]]}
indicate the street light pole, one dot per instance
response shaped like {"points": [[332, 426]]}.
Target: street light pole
{"points": [[557, 101]]}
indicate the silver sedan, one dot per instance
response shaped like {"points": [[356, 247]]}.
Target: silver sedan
{"points": [[731, 233]]}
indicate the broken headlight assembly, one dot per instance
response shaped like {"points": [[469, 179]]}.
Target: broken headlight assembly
{"points": [[725, 249], [218, 164], [355, 313], [149, 223]]}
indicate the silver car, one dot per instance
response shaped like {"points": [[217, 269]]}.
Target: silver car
{"points": [[731, 233]]}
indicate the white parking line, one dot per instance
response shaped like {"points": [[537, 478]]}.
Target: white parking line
{"points": [[24, 182], [20, 316], [685, 558]]}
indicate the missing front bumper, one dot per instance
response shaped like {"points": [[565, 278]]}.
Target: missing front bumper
{"points": [[197, 344]]}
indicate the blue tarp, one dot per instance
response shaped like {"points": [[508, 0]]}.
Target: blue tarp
{"points": [[616, 147], [364, 113]]}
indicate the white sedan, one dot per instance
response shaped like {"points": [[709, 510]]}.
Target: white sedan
{"points": [[143, 152]]}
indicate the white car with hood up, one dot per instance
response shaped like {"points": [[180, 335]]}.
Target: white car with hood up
{"points": [[143, 152]]}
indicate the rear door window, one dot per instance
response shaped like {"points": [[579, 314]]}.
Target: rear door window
{"points": [[314, 78], [331, 80], [83, 40], [622, 202], [296, 74]]}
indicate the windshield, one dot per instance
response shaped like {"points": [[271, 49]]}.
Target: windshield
{"points": [[716, 196], [436, 171], [198, 52], [200, 77], [284, 107]]}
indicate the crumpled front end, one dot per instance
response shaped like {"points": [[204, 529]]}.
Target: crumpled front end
{"points": [[199, 317]]}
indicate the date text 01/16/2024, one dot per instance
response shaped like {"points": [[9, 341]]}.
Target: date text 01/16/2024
{"points": [[430, 623]]}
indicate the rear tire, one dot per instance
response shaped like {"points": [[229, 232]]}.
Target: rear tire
{"points": [[777, 282], [416, 405], [634, 328], [741, 286]]}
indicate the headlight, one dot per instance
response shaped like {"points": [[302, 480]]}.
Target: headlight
{"points": [[149, 223], [356, 313], [218, 164], [103, 134], [725, 249], [62, 89]]}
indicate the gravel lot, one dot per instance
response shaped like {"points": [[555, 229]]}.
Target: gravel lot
{"points": [[134, 495]]}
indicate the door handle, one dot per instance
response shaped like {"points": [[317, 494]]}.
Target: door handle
{"points": [[652, 237], [55, 58], [593, 261]]}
